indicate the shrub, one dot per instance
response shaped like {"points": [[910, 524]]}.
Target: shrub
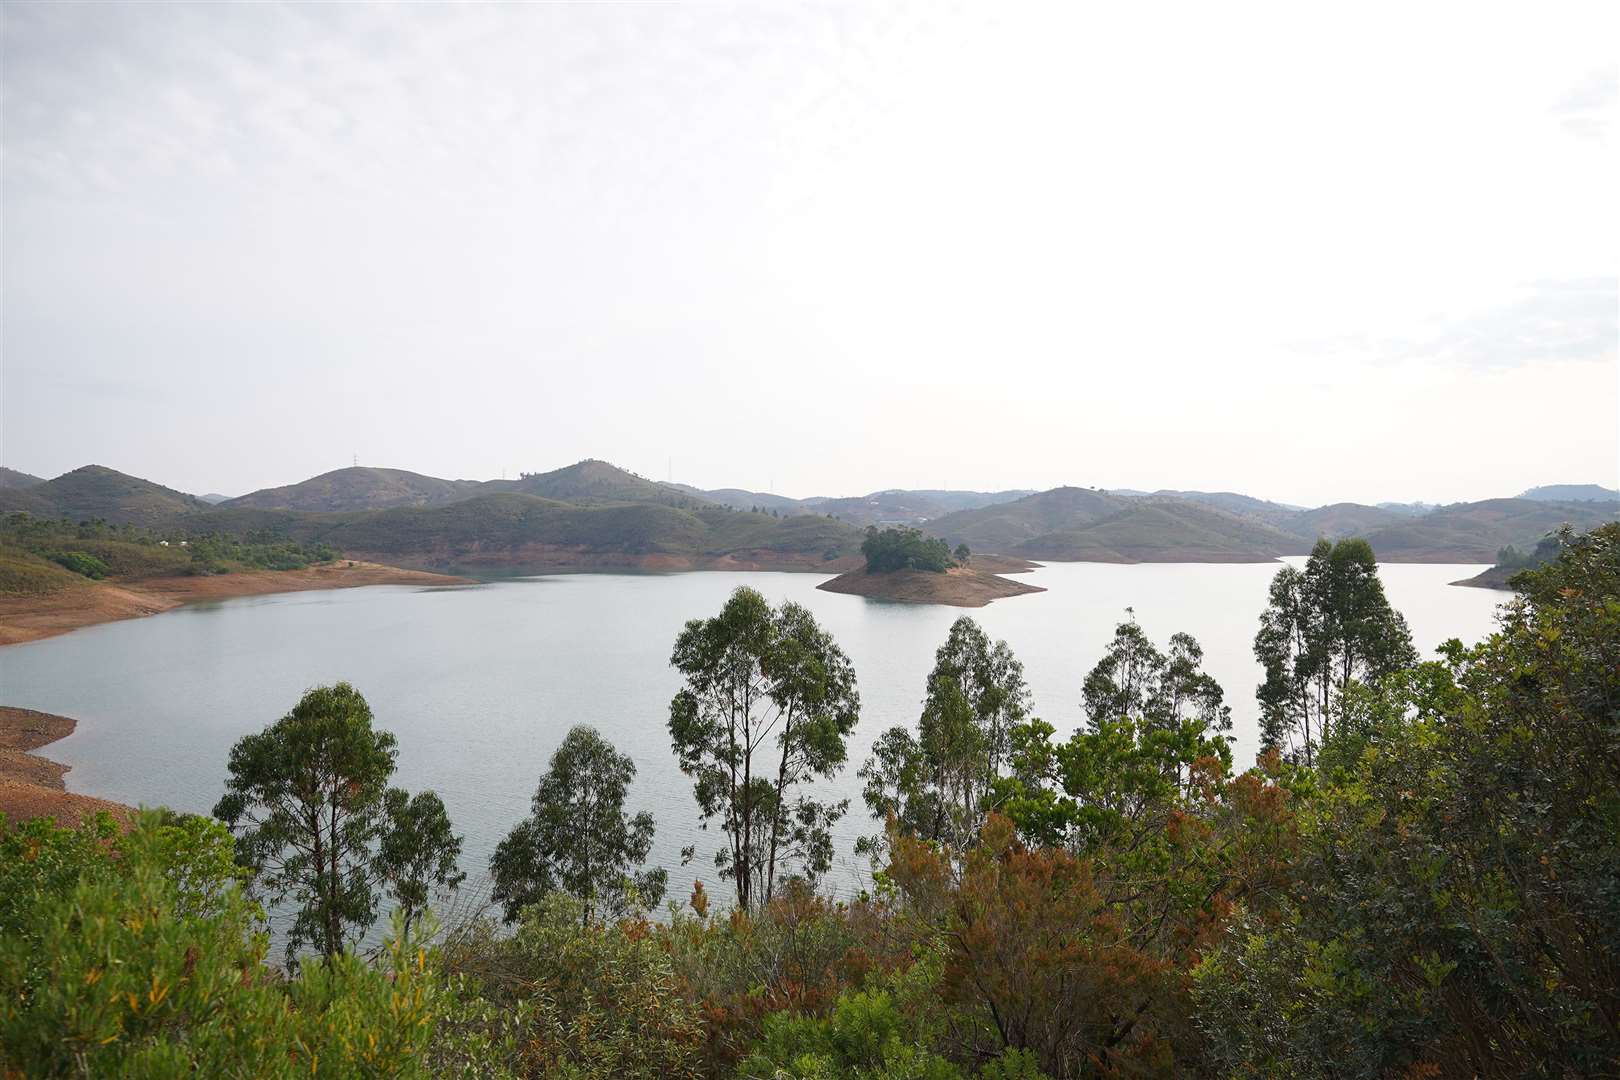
{"points": [[80, 562], [137, 955]]}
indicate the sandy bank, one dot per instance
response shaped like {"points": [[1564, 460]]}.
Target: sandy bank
{"points": [[28, 618], [32, 786], [971, 586]]}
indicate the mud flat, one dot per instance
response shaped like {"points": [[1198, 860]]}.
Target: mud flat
{"points": [[28, 618]]}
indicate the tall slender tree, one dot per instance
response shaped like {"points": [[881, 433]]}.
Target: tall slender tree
{"points": [[579, 840], [940, 784], [1323, 628], [417, 852], [768, 702], [309, 802]]}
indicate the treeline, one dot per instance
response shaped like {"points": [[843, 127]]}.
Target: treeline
{"points": [[905, 548], [1420, 876], [99, 549]]}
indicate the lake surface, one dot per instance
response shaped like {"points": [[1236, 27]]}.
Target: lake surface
{"points": [[480, 683]]}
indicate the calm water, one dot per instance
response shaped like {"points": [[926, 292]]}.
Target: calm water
{"points": [[480, 683]]}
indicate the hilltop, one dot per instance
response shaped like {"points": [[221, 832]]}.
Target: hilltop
{"points": [[96, 491], [1571, 493], [894, 506], [1084, 524], [357, 488], [11, 478], [1475, 532], [597, 483]]}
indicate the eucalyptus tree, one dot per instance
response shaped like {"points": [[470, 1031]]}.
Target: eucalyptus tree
{"points": [[578, 839], [316, 822], [940, 783], [1166, 696], [1324, 627], [418, 852], [767, 705], [1162, 690]]}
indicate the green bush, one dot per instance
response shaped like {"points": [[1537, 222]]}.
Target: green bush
{"points": [[80, 563], [138, 955]]}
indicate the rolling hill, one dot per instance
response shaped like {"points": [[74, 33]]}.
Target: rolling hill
{"points": [[516, 529], [740, 499], [11, 478], [1233, 503], [1340, 520], [1571, 493], [1475, 532], [593, 513], [358, 488], [95, 491], [595, 483], [895, 506], [1083, 524]]}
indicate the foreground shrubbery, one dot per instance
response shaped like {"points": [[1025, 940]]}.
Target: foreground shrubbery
{"points": [[1436, 894], [136, 955]]}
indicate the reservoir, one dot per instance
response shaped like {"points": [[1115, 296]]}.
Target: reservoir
{"points": [[480, 683]]}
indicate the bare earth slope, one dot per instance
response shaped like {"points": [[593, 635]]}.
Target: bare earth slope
{"points": [[28, 618], [32, 786]]}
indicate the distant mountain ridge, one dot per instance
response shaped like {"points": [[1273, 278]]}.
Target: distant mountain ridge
{"points": [[593, 513], [95, 491], [893, 506], [358, 488], [11, 478], [1571, 493]]}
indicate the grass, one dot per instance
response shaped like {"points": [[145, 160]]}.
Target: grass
{"points": [[22, 573]]}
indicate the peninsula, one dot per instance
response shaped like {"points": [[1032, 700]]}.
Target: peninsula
{"points": [[32, 786]]}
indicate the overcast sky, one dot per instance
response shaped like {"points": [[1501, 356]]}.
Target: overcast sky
{"points": [[1363, 254]]}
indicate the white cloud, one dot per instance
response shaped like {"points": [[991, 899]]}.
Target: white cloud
{"points": [[1013, 245]]}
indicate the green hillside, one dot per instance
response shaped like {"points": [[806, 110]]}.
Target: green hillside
{"points": [[11, 478], [1165, 530], [359, 489], [593, 482], [95, 491], [1341, 520], [1475, 532], [511, 528], [1006, 527]]}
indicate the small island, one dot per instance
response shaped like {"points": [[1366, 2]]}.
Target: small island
{"points": [[902, 564], [1510, 561]]}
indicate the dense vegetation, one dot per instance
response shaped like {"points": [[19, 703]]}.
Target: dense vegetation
{"points": [[98, 549], [1419, 878], [904, 548]]}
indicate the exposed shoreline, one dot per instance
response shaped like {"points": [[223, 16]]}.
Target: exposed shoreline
{"points": [[30, 618], [1493, 578], [974, 585], [32, 786]]}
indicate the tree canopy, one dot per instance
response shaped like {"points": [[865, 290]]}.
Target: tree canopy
{"points": [[768, 702], [578, 839], [1324, 627], [317, 824], [904, 548], [939, 784]]}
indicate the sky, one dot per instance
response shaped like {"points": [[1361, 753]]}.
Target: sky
{"points": [[1368, 253]]}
